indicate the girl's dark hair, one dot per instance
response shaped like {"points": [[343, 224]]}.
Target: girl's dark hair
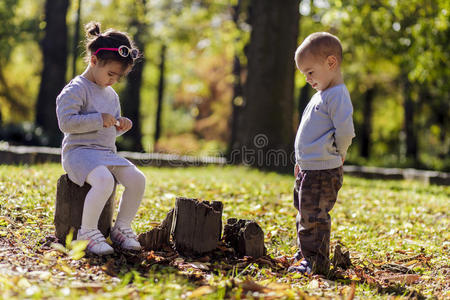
{"points": [[109, 39]]}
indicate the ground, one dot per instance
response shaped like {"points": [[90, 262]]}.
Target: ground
{"points": [[397, 233]]}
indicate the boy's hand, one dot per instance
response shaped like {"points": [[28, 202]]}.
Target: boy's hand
{"points": [[296, 170], [108, 120], [124, 124]]}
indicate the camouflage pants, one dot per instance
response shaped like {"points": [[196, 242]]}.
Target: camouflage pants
{"points": [[315, 194]]}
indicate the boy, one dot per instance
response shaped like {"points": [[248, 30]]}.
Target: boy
{"points": [[323, 137]]}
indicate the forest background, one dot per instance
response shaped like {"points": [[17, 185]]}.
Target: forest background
{"points": [[218, 76]]}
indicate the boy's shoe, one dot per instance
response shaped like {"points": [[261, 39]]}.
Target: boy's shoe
{"points": [[298, 256], [125, 238], [304, 268], [97, 242]]}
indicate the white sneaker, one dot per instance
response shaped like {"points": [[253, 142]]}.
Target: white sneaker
{"points": [[125, 238], [97, 242]]}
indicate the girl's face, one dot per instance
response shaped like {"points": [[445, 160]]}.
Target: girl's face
{"points": [[107, 74], [319, 73]]}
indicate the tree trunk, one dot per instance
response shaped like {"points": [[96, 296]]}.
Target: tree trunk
{"points": [[265, 133], [54, 48], [237, 98], [236, 103], [367, 123], [131, 99], [303, 100], [408, 105], [131, 96], [76, 39], [160, 93]]}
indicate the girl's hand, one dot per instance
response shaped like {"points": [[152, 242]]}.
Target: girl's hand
{"points": [[108, 120], [125, 124]]}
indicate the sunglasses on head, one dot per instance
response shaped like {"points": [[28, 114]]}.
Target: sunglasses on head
{"points": [[123, 51]]}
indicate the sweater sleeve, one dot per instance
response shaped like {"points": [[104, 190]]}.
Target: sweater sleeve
{"points": [[70, 118], [341, 113]]}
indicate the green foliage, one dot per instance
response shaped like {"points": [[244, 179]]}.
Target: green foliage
{"points": [[380, 222], [385, 42], [19, 33]]}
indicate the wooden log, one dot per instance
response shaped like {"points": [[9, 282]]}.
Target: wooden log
{"points": [[197, 226], [159, 237], [245, 236], [69, 209]]}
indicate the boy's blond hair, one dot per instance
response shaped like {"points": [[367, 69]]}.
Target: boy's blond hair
{"points": [[321, 45]]}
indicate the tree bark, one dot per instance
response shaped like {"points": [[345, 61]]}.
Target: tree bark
{"points": [[196, 226], [409, 126], [303, 100], [69, 209], [54, 48], [76, 39], [160, 93], [245, 236], [159, 237], [237, 98], [265, 133], [341, 259], [131, 96], [367, 123]]}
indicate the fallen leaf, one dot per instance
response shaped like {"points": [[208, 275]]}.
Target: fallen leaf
{"points": [[403, 278], [351, 293], [278, 286], [203, 290], [314, 284], [199, 265], [412, 262], [178, 260], [93, 287], [250, 285], [109, 268]]}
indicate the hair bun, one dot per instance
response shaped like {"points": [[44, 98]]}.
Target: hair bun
{"points": [[93, 29]]}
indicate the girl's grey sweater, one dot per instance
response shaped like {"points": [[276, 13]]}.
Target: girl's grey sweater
{"points": [[87, 144]]}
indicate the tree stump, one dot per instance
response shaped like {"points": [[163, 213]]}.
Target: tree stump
{"points": [[341, 259], [245, 236], [197, 226], [159, 237], [69, 209]]}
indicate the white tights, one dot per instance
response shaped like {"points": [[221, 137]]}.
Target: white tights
{"points": [[101, 180]]}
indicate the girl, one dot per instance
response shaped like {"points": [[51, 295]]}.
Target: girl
{"points": [[88, 112]]}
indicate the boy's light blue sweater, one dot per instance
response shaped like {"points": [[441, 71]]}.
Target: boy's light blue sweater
{"points": [[326, 130]]}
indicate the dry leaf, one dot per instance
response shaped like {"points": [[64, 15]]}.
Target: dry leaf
{"points": [[203, 290], [403, 278], [314, 284], [252, 286], [199, 265]]}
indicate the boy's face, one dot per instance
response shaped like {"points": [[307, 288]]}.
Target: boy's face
{"points": [[320, 73]]}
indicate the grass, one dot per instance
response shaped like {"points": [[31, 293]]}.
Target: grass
{"points": [[380, 222]]}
